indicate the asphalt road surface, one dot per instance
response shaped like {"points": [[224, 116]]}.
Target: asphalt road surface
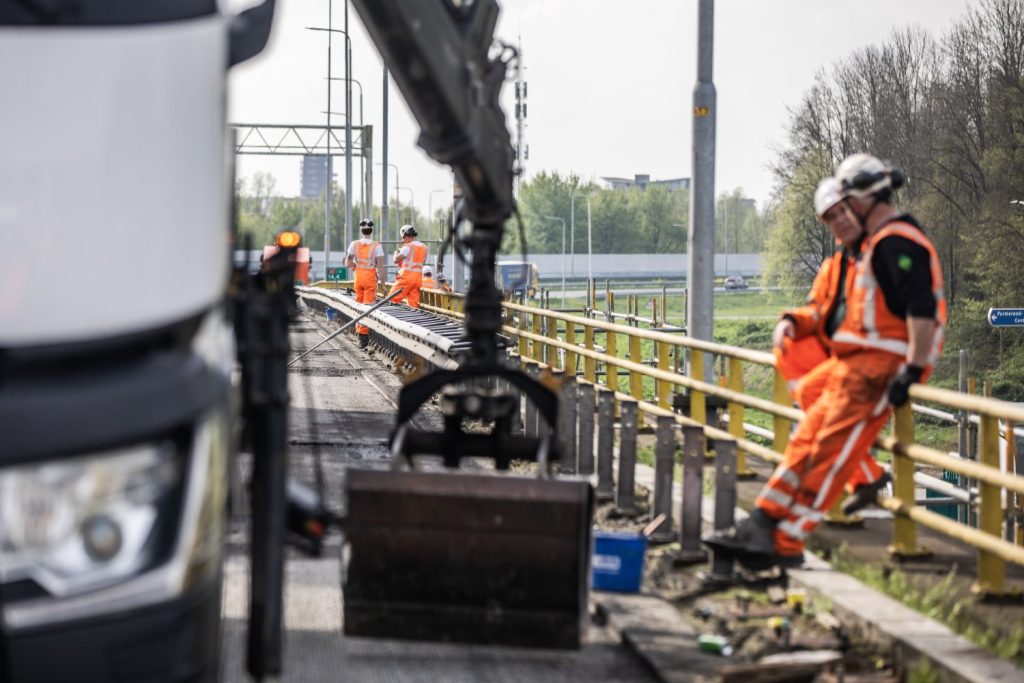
{"points": [[342, 411]]}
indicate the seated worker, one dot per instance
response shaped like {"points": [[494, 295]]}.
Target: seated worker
{"points": [[410, 260], [428, 279], [802, 338], [889, 339]]}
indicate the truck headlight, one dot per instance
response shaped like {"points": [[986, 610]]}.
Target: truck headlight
{"points": [[77, 524]]}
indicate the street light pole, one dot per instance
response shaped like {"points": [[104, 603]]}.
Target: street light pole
{"points": [[348, 130], [412, 202], [430, 208], [701, 241], [572, 230], [362, 158], [330, 30], [590, 248], [384, 170], [384, 208], [562, 221]]}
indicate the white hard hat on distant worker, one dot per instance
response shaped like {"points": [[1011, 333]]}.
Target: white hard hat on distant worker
{"points": [[408, 231], [828, 194], [427, 272]]}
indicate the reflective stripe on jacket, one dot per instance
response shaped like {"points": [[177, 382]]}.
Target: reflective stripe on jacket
{"points": [[869, 322], [811, 317]]}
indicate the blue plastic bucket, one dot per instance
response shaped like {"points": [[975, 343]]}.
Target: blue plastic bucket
{"points": [[618, 561], [331, 314]]}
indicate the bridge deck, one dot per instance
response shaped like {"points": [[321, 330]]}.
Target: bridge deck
{"points": [[342, 412]]}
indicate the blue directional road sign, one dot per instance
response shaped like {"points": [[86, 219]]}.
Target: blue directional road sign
{"points": [[1006, 317]]}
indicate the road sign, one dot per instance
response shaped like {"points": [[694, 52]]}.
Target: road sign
{"points": [[1006, 317], [337, 274]]}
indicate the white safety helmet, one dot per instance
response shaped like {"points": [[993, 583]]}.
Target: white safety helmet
{"points": [[427, 271], [862, 175], [828, 194], [441, 277], [408, 231]]}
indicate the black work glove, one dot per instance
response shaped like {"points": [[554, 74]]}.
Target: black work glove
{"points": [[899, 390]]}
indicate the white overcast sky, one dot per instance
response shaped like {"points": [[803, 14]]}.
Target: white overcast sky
{"points": [[610, 83]]}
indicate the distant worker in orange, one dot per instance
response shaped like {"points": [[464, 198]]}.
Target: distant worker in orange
{"points": [[889, 339], [367, 257], [442, 283], [428, 279], [410, 260], [802, 339]]}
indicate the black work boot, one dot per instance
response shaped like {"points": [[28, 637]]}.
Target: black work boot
{"points": [[364, 341], [863, 496], [753, 536]]}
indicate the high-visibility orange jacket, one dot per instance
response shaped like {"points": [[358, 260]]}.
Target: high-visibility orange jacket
{"points": [[415, 259], [811, 318], [365, 254], [428, 283], [410, 275], [869, 323]]}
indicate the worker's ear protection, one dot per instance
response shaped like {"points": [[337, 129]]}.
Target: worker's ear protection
{"points": [[898, 177], [866, 179]]}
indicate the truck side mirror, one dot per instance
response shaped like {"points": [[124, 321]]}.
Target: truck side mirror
{"points": [[249, 32]]}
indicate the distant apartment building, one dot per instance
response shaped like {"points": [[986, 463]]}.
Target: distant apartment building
{"points": [[643, 181], [314, 175]]}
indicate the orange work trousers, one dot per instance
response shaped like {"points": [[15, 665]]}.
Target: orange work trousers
{"points": [[829, 443], [800, 362], [409, 282], [366, 292]]}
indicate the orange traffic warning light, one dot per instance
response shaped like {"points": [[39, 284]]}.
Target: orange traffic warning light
{"points": [[289, 239]]}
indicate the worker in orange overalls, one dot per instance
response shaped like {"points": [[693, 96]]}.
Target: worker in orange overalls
{"points": [[889, 339], [428, 279], [802, 339], [367, 257], [410, 260]]}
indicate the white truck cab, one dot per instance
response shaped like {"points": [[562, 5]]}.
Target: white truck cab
{"points": [[116, 351]]}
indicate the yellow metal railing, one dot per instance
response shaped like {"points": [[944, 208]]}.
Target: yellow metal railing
{"points": [[553, 339]]}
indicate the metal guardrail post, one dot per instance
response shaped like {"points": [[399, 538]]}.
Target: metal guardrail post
{"points": [[524, 343], [664, 468], [611, 346], [664, 388], [1015, 460], [625, 492], [904, 531], [567, 422], [698, 409], [587, 397], [530, 410], [589, 364], [536, 348], [781, 426], [725, 499], [991, 580], [570, 358], [636, 379], [690, 526], [736, 416], [517, 416], [605, 444], [550, 350]]}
